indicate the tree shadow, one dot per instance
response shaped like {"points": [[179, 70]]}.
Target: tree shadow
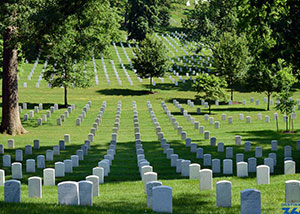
{"points": [[45, 105], [123, 92], [187, 86], [239, 109]]}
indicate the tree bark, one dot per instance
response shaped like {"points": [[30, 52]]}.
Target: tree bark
{"points": [[66, 96], [11, 123], [209, 109], [232, 95], [268, 107], [277, 125], [150, 84], [286, 122]]}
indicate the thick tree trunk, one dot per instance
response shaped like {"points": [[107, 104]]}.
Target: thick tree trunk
{"points": [[66, 96], [232, 95], [11, 123]]}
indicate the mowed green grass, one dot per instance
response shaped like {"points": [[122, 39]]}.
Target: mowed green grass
{"points": [[123, 190]]}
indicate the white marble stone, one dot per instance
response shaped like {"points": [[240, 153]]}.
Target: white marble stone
{"points": [[216, 165], [145, 169], [162, 199], [262, 174], [85, 193], [149, 176], [34, 187], [95, 180], [49, 177], [30, 166], [289, 167], [194, 171], [250, 201], [2, 177], [185, 170], [242, 169], [227, 167], [99, 171], [68, 193], [12, 191], [150, 186], [59, 169], [292, 191], [16, 170], [224, 193], [206, 180], [68, 166]]}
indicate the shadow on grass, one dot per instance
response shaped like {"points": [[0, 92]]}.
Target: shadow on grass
{"points": [[103, 207], [238, 109], [45, 105], [264, 137], [123, 92], [185, 203], [187, 86], [95, 155]]}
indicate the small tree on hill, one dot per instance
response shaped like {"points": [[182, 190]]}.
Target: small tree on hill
{"points": [[271, 79], [209, 88], [231, 58], [151, 60], [286, 106]]}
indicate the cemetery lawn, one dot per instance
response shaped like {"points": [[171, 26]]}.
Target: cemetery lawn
{"points": [[123, 188]]}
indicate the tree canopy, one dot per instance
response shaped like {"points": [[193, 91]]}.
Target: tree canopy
{"points": [[209, 88], [151, 59], [142, 18], [75, 28], [232, 59]]}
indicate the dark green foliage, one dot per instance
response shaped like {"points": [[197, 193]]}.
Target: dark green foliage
{"points": [[164, 16], [1, 54], [209, 88], [143, 18], [152, 59], [289, 30], [208, 21], [231, 58]]}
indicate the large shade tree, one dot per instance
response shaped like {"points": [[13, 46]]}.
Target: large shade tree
{"points": [[36, 22], [142, 18], [15, 23], [82, 35]]}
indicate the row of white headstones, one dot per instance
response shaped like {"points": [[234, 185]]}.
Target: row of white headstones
{"points": [[86, 189]]}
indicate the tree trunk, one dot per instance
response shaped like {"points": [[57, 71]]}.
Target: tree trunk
{"points": [[286, 123], [268, 107], [66, 96], [11, 123], [209, 109], [150, 84], [231, 95], [277, 124], [289, 123]]}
